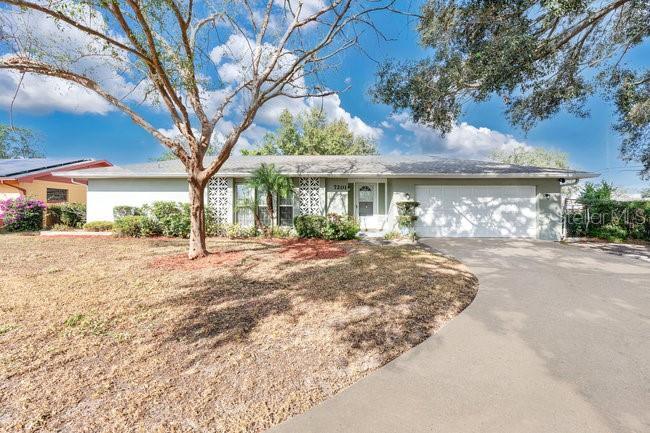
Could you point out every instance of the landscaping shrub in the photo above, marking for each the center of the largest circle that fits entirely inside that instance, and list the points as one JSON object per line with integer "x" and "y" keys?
{"x": 310, "y": 226}
{"x": 150, "y": 227}
{"x": 406, "y": 217}
{"x": 98, "y": 226}
{"x": 21, "y": 214}
{"x": 392, "y": 235}
{"x": 60, "y": 228}
{"x": 52, "y": 215}
{"x": 332, "y": 227}
{"x": 122, "y": 211}
{"x": 609, "y": 232}
{"x": 339, "y": 228}
{"x": 130, "y": 226}
{"x": 283, "y": 232}
{"x": 172, "y": 218}
{"x": 237, "y": 231}
{"x": 605, "y": 218}
{"x": 72, "y": 215}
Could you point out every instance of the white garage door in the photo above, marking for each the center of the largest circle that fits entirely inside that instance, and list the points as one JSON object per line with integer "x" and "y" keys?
{"x": 476, "y": 211}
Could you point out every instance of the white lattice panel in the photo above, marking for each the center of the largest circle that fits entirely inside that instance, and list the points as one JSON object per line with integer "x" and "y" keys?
{"x": 220, "y": 198}
{"x": 309, "y": 196}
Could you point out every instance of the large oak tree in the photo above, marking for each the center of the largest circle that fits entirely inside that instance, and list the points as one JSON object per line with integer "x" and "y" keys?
{"x": 209, "y": 65}
{"x": 539, "y": 56}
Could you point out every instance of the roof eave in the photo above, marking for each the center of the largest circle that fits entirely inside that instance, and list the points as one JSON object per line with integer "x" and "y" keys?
{"x": 568, "y": 176}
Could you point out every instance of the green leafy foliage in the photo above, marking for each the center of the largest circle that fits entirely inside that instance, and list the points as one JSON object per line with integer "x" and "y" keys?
{"x": 605, "y": 218}
{"x": 18, "y": 143}
{"x": 538, "y": 56}
{"x": 172, "y": 218}
{"x": 160, "y": 218}
{"x": 129, "y": 226}
{"x": 98, "y": 226}
{"x": 122, "y": 211}
{"x": 331, "y": 227}
{"x": 60, "y": 228}
{"x": 21, "y": 214}
{"x": 309, "y": 226}
{"x": 406, "y": 217}
{"x": 72, "y": 215}
{"x": 340, "y": 228}
{"x": 270, "y": 181}
{"x": 233, "y": 231}
{"x": 311, "y": 134}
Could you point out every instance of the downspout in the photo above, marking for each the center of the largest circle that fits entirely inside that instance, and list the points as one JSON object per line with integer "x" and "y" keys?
{"x": 563, "y": 205}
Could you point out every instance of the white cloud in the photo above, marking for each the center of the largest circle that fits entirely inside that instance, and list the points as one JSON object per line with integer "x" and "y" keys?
{"x": 65, "y": 46}
{"x": 463, "y": 141}
{"x": 331, "y": 105}
{"x": 309, "y": 7}
{"x": 234, "y": 60}
{"x": 40, "y": 94}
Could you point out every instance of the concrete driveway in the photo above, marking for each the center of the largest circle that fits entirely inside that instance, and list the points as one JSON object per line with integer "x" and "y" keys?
{"x": 557, "y": 340}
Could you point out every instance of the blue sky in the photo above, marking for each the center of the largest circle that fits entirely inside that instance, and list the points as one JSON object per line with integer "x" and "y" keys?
{"x": 591, "y": 143}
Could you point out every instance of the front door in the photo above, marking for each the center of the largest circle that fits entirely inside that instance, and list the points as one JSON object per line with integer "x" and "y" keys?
{"x": 366, "y": 205}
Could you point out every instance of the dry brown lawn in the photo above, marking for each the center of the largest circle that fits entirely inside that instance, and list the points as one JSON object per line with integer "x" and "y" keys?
{"x": 125, "y": 335}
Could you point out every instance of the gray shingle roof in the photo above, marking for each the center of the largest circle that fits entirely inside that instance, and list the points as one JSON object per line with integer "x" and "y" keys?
{"x": 342, "y": 166}
{"x": 20, "y": 167}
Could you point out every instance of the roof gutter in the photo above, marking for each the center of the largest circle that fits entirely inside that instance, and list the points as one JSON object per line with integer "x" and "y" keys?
{"x": 578, "y": 175}
{"x": 22, "y": 190}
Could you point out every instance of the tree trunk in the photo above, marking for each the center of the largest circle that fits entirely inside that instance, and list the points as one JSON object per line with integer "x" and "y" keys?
{"x": 269, "y": 209}
{"x": 197, "y": 246}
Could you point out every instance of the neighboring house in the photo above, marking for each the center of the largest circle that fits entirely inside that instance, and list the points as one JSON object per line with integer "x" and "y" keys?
{"x": 34, "y": 178}
{"x": 459, "y": 198}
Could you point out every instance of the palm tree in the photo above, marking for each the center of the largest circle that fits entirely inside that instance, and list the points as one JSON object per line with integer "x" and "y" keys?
{"x": 268, "y": 179}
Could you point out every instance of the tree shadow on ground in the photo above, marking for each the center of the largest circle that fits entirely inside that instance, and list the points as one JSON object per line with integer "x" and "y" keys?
{"x": 381, "y": 299}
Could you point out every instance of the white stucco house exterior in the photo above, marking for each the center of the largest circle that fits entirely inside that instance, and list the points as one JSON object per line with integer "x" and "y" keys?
{"x": 458, "y": 198}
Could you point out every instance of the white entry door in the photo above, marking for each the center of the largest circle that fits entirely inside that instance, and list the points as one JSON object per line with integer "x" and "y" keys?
{"x": 366, "y": 205}
{"x": 477, "y": 211}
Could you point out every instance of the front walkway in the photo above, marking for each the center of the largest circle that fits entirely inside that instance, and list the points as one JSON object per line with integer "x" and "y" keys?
{"x": 556, "y": 340}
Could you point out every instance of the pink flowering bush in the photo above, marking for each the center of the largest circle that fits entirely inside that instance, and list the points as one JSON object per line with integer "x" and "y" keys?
{"x": 21, "y": 214}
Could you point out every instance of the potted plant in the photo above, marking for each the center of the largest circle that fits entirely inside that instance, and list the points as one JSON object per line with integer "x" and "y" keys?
{"x": 406, "y": 217}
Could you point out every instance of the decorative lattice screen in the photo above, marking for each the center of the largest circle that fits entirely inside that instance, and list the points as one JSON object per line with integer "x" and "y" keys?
{"x": 309, "y": 196}
{"x": 220, "y": 198}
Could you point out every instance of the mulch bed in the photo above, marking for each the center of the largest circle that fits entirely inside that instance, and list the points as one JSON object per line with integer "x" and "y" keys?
{"x": 312, "y": 249}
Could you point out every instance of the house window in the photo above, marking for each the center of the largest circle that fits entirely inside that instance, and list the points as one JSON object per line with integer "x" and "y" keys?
{"x": 55, "y": 195}
{"x": 244, "y": 205}
{"x": 285, "y": 210}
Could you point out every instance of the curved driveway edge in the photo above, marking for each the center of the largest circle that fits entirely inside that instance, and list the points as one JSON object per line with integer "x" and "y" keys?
{"x": 557, "y": 340}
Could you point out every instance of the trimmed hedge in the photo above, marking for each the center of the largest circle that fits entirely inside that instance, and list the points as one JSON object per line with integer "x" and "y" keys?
{"x": 332, "y": 227}
{"x": 161, "y": 218}
{"x": 98, "y": 226}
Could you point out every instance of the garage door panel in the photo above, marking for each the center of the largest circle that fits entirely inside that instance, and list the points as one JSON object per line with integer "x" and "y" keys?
{"x": 478, "y": 211}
